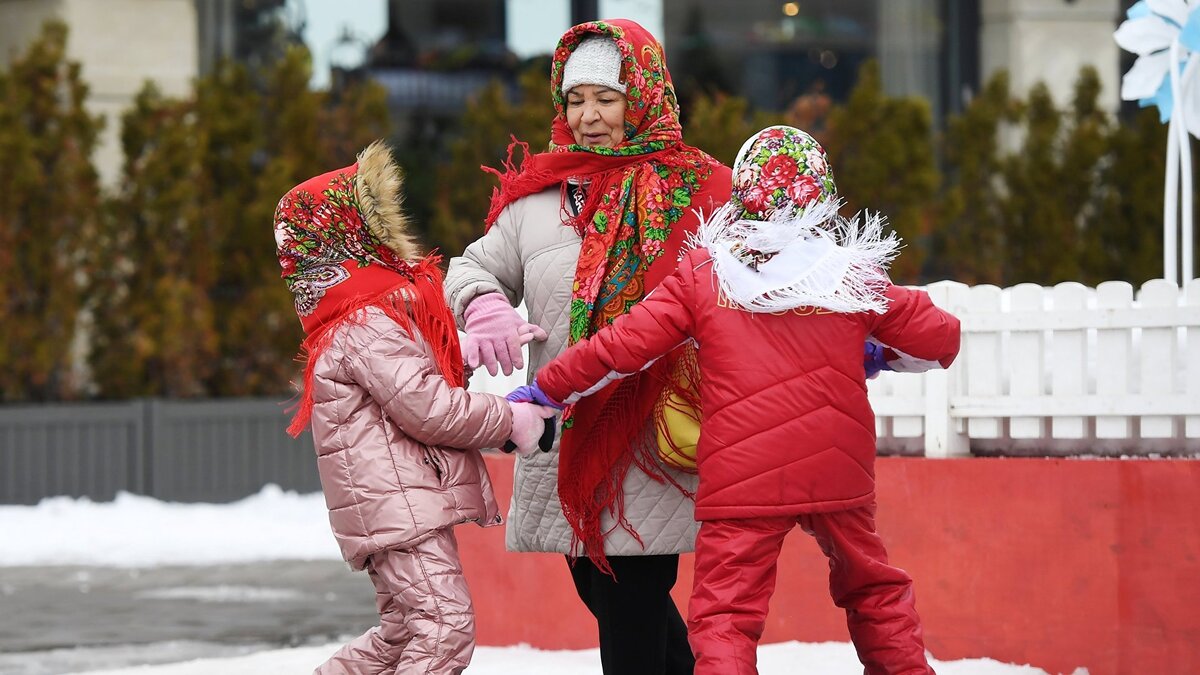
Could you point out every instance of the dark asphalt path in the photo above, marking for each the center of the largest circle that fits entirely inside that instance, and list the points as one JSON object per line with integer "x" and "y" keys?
{"x": 57, "y": 620}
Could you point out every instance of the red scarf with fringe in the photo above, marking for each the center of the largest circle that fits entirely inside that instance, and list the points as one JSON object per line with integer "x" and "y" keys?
{"x": 638, "y": 213}
{"x": 416, "y": 301}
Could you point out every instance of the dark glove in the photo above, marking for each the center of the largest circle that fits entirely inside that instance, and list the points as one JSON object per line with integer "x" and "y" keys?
{"x": 527, "y": 426}
{"x": 874, "y": 359}
{"x": 545, "y": 443}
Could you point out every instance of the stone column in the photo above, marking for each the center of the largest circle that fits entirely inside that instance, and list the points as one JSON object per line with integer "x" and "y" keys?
{"x": 1049, "y": 41}
{"x": 120, "y": 44}
{"x": 908, "y": 47}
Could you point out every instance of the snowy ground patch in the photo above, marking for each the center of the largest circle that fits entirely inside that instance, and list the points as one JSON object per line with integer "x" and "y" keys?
{"x": 140, "y": 532}
{"x": 774, "y": 659}
{"x": 136, "y": 531}
{"x": 222, "y": 593}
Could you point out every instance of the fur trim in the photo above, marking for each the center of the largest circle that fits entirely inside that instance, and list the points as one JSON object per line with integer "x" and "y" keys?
{"x": 818, "y": 259}
{"x": 379, "y": 186}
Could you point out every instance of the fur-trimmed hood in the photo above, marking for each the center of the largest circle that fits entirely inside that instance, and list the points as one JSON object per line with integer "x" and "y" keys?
{"x": 344, "y": 245}
{"x": 379, "y": 184}
{"x": 348, "y": 222}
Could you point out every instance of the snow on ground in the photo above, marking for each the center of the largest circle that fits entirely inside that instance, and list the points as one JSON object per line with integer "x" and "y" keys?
{"x": 136, "y": 531}
{"x": 830, "y": 658}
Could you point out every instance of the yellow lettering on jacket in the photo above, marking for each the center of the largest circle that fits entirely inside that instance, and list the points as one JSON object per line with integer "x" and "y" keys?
{"x": 806, "y": 310}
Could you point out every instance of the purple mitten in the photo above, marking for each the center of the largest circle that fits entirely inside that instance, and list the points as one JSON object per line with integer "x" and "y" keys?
{"x": 874, "y": 359}
{"x": 528, "y": 425}
{"x": 495, "y": 334}
{"x": 532, "y": 393}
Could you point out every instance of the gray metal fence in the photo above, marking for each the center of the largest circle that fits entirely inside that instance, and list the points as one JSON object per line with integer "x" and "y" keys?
{"x": 212, "y": 451}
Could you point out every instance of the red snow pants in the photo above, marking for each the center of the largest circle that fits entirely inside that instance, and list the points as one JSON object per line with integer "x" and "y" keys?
{"x": 736, "y": 564}
{"x": 426, "y": 620}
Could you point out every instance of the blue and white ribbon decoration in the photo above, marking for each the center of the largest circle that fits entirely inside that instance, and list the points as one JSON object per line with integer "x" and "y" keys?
{"x": 1165, "y": 34}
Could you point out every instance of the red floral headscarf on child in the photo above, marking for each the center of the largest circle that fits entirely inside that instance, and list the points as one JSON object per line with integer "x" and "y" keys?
{"x": 779, "y": 244}
{"x": 343, "y": 243}
{"x": 780, "y": 171}
{"x": 639, "y": 211}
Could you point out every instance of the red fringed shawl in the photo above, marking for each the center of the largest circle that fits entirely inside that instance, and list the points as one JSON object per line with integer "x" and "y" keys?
{"x": 417, "y": 303}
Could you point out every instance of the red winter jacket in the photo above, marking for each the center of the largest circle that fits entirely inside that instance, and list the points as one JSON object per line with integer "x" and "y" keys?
{"x": 787, "y": 427}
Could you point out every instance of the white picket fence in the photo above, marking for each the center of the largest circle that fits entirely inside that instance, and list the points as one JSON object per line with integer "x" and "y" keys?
{"x": 1068, "y": 370}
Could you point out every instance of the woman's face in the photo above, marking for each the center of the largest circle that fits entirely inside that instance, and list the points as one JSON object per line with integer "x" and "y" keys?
{"x": 596, "y": 116}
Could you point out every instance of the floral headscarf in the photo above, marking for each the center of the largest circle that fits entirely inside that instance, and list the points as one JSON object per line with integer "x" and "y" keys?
{"x": 343, "y": 245}
{"x": 780, "y": 244}
{"x": 780, "y": 168}
{"x": 639, "y": 212}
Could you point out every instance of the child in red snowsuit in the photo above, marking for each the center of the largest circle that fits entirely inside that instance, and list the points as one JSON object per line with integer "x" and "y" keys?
{"x": 779, "y": 295}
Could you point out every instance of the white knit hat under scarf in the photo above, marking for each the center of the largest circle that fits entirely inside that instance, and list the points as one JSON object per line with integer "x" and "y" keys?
{"x": 595, "y": 61}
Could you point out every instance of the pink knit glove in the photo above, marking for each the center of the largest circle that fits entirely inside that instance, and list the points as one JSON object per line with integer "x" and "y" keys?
{"x": 495, "y": 334}
{"x": 528, "y": 425}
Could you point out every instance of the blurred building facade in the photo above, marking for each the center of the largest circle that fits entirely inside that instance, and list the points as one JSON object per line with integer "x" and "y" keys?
{"x": 1050, "y": 40}
{"x": 771, "y": 51}
{"x": 436, "y": 53}
{"x": 122, "y": 44}
{"x": 117, "y": 53}
{"x": 768, "y": 51}
{"x": 247, "y": 31}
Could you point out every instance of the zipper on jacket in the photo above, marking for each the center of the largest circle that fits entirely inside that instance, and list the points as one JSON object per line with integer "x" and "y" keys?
{"x": 434, "y": 460}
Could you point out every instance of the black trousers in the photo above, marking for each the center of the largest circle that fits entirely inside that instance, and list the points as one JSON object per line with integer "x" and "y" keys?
{"x": 641, "y": 631}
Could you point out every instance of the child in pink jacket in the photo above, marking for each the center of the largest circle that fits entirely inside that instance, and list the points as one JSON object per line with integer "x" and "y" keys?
{"x": 396, "y": 434}
{"x": 779, "y": 295}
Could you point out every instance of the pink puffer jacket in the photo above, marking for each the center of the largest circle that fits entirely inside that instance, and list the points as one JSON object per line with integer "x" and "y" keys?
{"x": 397, "y": 446}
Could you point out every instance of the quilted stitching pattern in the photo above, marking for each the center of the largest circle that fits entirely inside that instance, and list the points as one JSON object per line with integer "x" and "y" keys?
{"x": 530, "y": 255}
{"x": 382, "y": 490}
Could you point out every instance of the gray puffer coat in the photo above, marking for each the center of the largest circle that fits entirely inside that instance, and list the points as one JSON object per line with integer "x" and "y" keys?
{"x": 530, "y": 255}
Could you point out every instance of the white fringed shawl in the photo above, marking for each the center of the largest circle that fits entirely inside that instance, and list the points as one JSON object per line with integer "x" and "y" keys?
{"x": 817, "y": 259}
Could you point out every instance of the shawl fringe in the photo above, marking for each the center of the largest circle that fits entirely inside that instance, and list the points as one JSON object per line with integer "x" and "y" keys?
{"x": 858, "y": 255}
{"x": 517, "y": 178}
{"x": 682, "y": 386}
{"x": 605, "y": 450}
{"x": 417, "y": 305}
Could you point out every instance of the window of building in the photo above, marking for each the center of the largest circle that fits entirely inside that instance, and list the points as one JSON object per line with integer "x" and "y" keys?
{"x": 772, "y": 52}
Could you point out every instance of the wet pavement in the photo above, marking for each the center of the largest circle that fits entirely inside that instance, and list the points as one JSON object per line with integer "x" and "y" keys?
{"x": 56, "y": 620}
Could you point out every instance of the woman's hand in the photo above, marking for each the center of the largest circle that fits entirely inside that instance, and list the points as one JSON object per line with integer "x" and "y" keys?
{"x": 495, "y": 335}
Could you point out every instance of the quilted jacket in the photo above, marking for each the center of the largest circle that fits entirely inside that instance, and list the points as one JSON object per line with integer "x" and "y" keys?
{"x": 397, "y": 446}
{"x": 530, "y": 255}
{"x": 787, "y": 426}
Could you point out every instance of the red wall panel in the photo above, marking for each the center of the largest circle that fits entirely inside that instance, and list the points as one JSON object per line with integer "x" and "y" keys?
{"x": 1059, "y": 563}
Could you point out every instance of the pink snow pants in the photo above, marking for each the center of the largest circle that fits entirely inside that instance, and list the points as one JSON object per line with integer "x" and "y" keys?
{"x": 426, "y": 621}
{"x": 736, "y": 563}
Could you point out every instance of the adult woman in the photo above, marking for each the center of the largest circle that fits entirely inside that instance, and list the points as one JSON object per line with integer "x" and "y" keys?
{"x": 581, "y": 233}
